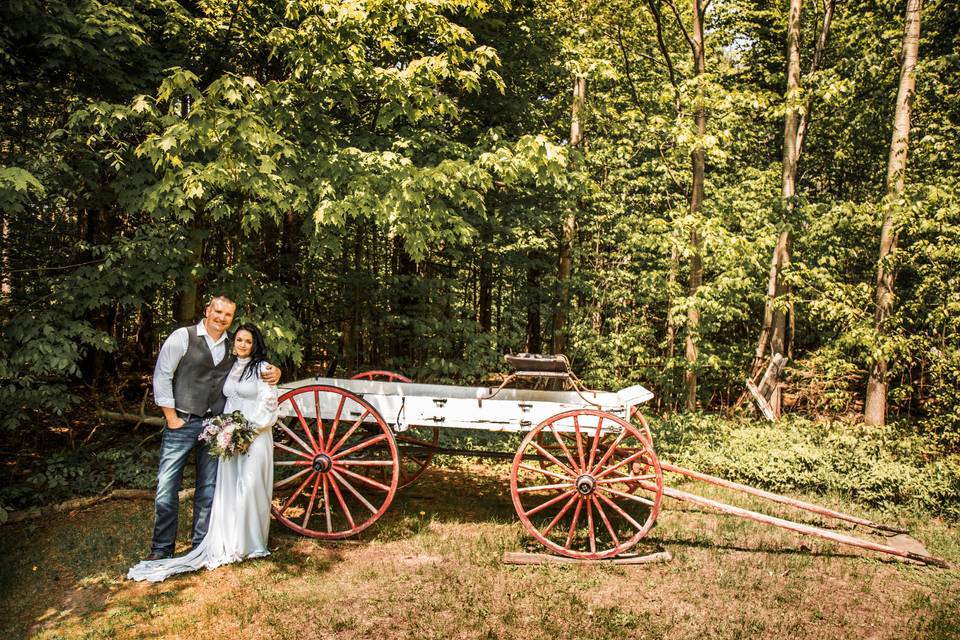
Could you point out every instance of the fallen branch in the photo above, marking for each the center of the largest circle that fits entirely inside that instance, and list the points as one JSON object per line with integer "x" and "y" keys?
{"x": 82, "y": 503}
{"x": 155, "y": 421}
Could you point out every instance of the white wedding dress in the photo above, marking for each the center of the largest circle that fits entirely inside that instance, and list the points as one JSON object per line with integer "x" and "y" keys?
{"x": 240, "y": 515}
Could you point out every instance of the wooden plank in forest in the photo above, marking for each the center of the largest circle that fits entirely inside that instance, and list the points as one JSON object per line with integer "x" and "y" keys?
{"x": 546, "y": 558}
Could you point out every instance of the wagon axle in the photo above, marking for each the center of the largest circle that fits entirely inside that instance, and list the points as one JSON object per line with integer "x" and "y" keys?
{"x": 586, "y": 484}
{"x": 322, "y": 463}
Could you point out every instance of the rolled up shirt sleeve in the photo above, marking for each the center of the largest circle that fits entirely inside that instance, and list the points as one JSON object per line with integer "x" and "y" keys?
{"x": 172, "y": 351}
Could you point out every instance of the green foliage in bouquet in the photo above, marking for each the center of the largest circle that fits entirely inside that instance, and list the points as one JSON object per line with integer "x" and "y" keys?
{"x": 228, "y": 435}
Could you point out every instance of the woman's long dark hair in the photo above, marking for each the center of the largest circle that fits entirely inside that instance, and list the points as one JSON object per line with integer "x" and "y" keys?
{"x": 258, "y": 354}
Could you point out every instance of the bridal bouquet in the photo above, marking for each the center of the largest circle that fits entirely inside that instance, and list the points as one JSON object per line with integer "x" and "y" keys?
{"x": 228, "y": 435}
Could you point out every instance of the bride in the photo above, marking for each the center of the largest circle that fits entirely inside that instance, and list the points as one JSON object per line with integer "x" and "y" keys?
{"x": 240, "y": 515}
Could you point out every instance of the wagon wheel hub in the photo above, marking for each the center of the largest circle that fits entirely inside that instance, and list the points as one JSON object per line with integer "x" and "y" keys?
{"x": 322, "y": 463}
{"x": 586, "y": 484}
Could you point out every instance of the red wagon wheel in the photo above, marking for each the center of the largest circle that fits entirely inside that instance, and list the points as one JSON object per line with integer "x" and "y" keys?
{"x": 336, "y": 469}
{"x": 587, "y": 499}
{"x": 417, "y": 444}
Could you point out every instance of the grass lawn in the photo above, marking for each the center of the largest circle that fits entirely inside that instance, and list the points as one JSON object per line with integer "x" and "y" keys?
{"x": 431, "y": 569}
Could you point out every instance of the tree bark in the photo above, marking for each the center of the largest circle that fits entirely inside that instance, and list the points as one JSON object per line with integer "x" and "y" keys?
{"x": 485, "y": 272}
{"x": 187, "y": 301}
{"x": 698, "y": 161}
{"x": 875, "y": 407}
{"x": 568, "y": 228}
{"x": 534, "y": 331}
{"x": 818, "y": 52}
{"x": 775, "y": 316}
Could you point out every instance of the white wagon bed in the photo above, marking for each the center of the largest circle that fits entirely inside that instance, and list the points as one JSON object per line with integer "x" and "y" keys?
{"x": 403, "y": 405}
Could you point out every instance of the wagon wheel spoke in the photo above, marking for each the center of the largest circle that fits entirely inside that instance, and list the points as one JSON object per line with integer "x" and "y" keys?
{"x": 620, "y": 463}
{"x": 626, "y": 516}
{"x": 353, "y": 427}
{"x": 356, "y": 494}
{"x": 351, "y": 475}
{"x": 552, "y": 501}
{"x": 566, "y": 451}
{"x": 280, "y": 445}
{"x": 576, "y": 430}
{"x": 287, "y": 481}
{"x": 362, "y": 478}
{"x": 545, "y": 472}
{"x": 293, "y": 436}
{"x": 336, "y": 419}
{"x": 552, "y": 459}
{"x": 316, "y": 404}
{"x": 545, "y": 487}
{"x": 313, "y": 498}
{"x": 573, "y": 498}
{"x": 303, "y": 423}
{"x": 609, "y": 452}
{"x": 590, "y": 533}
{"x": 573, "y": 524}
{"x": 361, "y": 446}
{"x": 606, "y": 520}
{"x": 627, "y": 479}
{"x": 596, "y": 441}
{"x": 628, "y": 496}
{"x": 296, "y": 493}
{"x": 364, "y": 463}
{"x": 326, "y": 504}
{"x": 343, "y": 505}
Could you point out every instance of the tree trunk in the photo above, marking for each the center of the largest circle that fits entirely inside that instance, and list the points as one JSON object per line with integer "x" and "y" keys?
{"x": 485, "y": 272}
{"x": 99, "y": 228}
{"x": 145, "y": 337}
{"x": 875, "y": 407}
{"x": 698, "y": 162}
{"x": 404, "y": 302}
{"x": 187, "y": 302}
{"x": 568, "y": 228}
{"x": 818, "y": 52}
{"x": 775, "y": 316}
{"x": 5, "y": 279}
{"x": 534, "y": 331}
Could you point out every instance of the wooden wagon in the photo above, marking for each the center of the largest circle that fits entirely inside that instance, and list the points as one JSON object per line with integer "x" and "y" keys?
{"x": 585, "y": 479}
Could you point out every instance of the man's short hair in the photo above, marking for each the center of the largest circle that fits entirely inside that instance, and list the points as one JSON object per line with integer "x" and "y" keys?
{"x": 221, "y": 298}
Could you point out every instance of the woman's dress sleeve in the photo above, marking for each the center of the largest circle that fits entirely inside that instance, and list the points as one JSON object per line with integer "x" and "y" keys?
{"x": 264, "y": 413}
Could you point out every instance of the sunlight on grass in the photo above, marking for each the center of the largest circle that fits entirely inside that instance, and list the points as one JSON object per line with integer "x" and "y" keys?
{"x": 432, "y": 568}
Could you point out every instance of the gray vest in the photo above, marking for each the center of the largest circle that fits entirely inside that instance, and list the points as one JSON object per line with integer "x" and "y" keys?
{"x": 197, "y": 382}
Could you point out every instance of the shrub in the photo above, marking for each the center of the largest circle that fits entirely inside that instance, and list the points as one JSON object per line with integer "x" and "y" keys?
{"x": 875, "y": 466}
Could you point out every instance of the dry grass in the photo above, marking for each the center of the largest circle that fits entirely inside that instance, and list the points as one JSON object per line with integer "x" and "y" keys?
{"x": 431, "y": 569}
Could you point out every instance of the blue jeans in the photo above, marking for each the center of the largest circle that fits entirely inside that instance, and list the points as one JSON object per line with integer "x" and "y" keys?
{"x": 174, "y": 451}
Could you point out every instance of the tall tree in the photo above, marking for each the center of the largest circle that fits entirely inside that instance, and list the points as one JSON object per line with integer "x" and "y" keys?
{"x": 775, "y": 311}
{"x": 777, "y": 316}
{"x": 569, "y": 225}
{"x": 875, "y": 407}
{"x": 698, "y": 162}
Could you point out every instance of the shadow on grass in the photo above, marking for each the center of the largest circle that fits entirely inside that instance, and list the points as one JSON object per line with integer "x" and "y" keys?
{"x": 74, "y": 565}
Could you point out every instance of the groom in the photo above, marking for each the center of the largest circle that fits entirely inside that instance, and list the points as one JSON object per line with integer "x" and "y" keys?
{"x": 188, "y": 387}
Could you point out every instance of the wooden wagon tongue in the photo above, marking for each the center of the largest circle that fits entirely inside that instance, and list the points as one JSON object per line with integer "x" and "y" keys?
{"x": 915, "y": 552}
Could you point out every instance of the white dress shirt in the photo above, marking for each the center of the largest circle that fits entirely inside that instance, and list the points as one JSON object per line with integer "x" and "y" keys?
{"x": 172, "y": 351}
